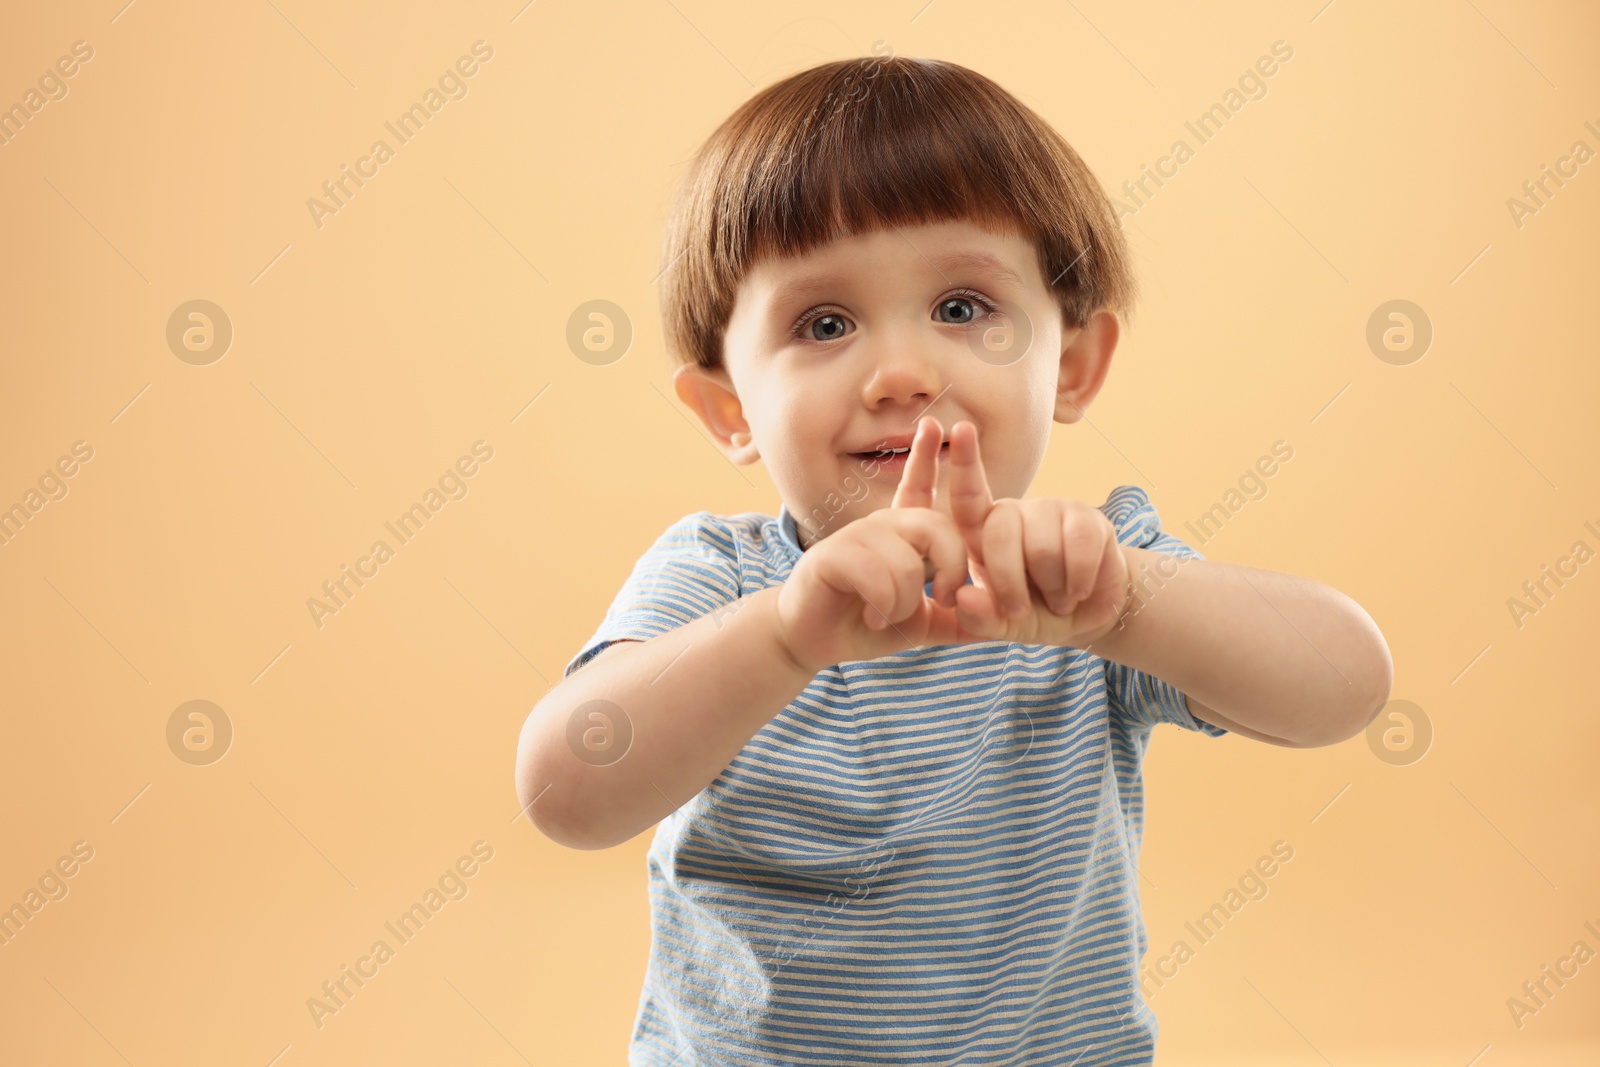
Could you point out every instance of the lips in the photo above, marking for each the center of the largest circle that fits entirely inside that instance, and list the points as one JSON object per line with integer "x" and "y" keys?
{"x": 889, "y": 451}
{"x": 889, "y": 444}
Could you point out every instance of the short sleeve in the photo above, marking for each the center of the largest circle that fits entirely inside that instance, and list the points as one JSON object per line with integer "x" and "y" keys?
{"x": 1140, "y": 697}
{"x": 691, "y": 570}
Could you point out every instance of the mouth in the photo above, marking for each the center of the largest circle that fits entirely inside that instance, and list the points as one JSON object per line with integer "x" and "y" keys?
{"x": 896, "y": 459}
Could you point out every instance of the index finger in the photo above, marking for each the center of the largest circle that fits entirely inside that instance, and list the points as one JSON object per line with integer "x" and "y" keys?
{"x": 944, "y": 558}
{"x": 922, "y": 467}
{"x": 970, "y": 499}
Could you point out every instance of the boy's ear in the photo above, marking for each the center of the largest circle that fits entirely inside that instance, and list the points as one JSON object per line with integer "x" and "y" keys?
{"x": 1085, "y": 359}
{"x": 710, "y": 393}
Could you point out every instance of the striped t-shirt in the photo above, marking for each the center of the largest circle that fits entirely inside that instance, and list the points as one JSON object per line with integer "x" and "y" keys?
{"x": 924, "y": 858}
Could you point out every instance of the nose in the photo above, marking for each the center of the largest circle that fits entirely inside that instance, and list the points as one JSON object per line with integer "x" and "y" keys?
{"x": 902, "y": 372}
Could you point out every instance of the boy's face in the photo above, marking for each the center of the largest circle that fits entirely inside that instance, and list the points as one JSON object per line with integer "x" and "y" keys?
{"x": 891, "y": 332}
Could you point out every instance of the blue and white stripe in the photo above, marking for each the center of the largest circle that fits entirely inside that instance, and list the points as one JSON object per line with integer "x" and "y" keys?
{"x": 924, "y": 858}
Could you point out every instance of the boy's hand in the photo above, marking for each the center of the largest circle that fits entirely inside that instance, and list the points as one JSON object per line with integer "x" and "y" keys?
{"x": 1054, "y": 563}
{"x": 860, "y": 593}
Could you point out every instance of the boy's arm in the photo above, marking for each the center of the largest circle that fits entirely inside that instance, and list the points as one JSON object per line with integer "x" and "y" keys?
{"x": 1271, "y": 656}
{"x": 693, "y": 696}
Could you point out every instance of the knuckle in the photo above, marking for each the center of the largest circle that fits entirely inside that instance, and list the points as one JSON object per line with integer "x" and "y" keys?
{"x": 907, "y": 571}
{"x": 880, "y": 596}
{"x": 1049, "y": 578}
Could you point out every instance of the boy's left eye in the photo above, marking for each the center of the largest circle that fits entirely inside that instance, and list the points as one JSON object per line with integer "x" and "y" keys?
{"x": 956, "y": 304}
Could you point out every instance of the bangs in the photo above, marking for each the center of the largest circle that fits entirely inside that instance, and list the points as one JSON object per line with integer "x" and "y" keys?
{"x": 859, "y": 145}
{"x": 902, "y": 155}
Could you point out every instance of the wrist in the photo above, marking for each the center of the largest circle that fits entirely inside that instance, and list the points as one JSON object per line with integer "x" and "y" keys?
{"x": 1126, "y": 609}
{"x": 784, "y": 653}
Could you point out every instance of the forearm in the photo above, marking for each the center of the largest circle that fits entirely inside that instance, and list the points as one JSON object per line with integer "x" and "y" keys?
{"x": 1285, "y": 657}
{"x": 693, "y": 697}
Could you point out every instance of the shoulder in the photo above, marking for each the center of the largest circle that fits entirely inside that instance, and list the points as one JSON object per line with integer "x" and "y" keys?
{"x": 699, "y": 528}
{"x": 744, "y": 528}
{"x": 729, "y": 544}
{"x": 1134, "y": 516}
{"x": 1138, "y": 526}
{"x": 729, "y": 534}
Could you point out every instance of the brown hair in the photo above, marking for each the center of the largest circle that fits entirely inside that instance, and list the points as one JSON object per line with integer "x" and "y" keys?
{"x": 858, "y": 145}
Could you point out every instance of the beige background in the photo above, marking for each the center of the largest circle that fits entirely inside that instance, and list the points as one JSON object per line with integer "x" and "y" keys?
{"x": 370, "y": 753}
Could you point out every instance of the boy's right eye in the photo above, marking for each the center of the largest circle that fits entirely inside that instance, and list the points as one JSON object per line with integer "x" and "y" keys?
{"x": 829, "y": 318}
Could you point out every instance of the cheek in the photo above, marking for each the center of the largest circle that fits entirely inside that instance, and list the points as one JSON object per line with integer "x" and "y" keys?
{"x": 806, "y": 406}
{"x": 1019, "y": 411}
{"x": 773, "y": 425}
{"x": 800, "y": 429}
{"x": 1043, "y": 377}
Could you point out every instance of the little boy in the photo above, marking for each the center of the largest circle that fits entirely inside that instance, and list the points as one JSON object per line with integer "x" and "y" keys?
{"x": 892, "y": 736}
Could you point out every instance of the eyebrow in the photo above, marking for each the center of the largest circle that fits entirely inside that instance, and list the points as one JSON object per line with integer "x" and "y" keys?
{"x": 976, "y": 262}
{"x": 980, "y": 262}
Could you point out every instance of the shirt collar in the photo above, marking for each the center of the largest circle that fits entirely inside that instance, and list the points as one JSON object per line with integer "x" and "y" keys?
{"x": 789, "y": 530}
